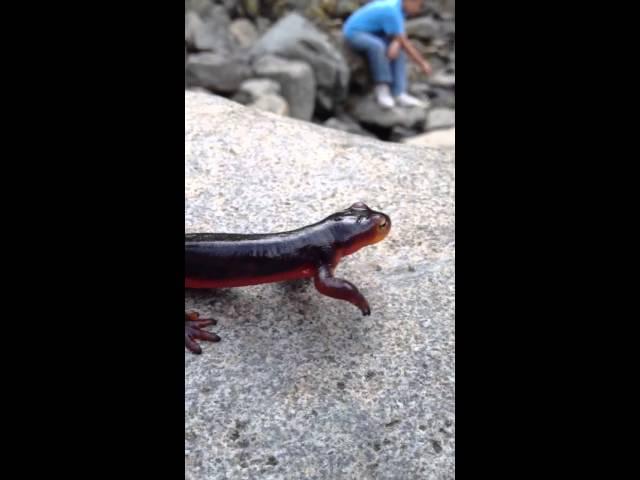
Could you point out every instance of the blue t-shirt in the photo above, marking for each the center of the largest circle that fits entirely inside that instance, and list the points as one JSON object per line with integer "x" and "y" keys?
{"x": 378, "y": 17}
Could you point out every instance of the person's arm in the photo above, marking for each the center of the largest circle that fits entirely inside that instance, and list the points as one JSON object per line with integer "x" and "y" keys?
{"x": 402, "y": 41}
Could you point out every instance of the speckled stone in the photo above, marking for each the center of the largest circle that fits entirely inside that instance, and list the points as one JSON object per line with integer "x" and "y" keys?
{"x": 302, "y": 386}
{"x": 444, "y": 140}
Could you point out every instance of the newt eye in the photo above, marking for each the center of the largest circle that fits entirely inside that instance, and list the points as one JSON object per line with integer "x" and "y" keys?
{"x": 382, "y": 224}
{"x": 359, "y": 206}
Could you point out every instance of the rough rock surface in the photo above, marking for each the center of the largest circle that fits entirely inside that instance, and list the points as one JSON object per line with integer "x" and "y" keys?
{"x": 243, "y": 32}
{"x": 254, "y": 88}
{"x": 444, "y": 78}
{"x": 367, "y": 111}
{"x": 422, "y": 27}
{"x": 442, "y": 97}
{"x": 444, "y": 140}
{"x": 296, "y": 38}
{"x": 301, "y": 385}
{"x": 199, "y": 6}
{"x": 441, "y": 118}
{"x": 271, "y": 102}
{"x": 296, "y": 80}
{"x": 210, "y": 34}
{"x": 346, "y": 124}
{"x": 217, "y": 72}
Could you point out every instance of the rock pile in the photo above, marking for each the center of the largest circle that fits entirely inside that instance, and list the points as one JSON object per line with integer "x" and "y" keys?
{"x": 288, "y": 57}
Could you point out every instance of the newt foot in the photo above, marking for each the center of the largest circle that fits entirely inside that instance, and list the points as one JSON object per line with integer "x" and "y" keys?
{"x": 193, "y": 329}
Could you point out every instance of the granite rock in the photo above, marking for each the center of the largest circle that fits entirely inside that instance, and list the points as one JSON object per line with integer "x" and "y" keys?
{"x": 301, "y": 385}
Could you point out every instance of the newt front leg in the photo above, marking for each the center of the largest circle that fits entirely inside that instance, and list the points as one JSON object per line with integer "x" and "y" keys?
{"x": 341, "y": 289}
{"x": 193, "y": 329}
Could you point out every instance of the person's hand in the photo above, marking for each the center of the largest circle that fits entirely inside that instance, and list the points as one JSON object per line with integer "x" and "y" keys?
{"x": 394, "y": 50}
{"x": 426, "y": 68}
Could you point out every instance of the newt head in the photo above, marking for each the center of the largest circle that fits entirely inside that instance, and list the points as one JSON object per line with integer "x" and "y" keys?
{"x": 357, "y": 227}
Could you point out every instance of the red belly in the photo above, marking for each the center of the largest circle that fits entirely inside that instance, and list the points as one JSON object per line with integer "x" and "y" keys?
{"x": 247, "y": 281}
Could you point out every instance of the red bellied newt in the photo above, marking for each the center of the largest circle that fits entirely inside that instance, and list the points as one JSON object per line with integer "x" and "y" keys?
{"x": 221, "y": 260}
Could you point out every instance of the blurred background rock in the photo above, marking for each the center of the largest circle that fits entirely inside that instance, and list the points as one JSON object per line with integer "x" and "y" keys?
{"x": 288, "y": 57}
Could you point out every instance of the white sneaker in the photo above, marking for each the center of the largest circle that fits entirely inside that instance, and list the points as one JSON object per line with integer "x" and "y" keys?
{"x": 383, "y": 95}
{"x": 406, "y": 100}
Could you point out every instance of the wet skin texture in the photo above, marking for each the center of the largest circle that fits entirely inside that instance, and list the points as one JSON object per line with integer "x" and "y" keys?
{"x": 221, "y": 260}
